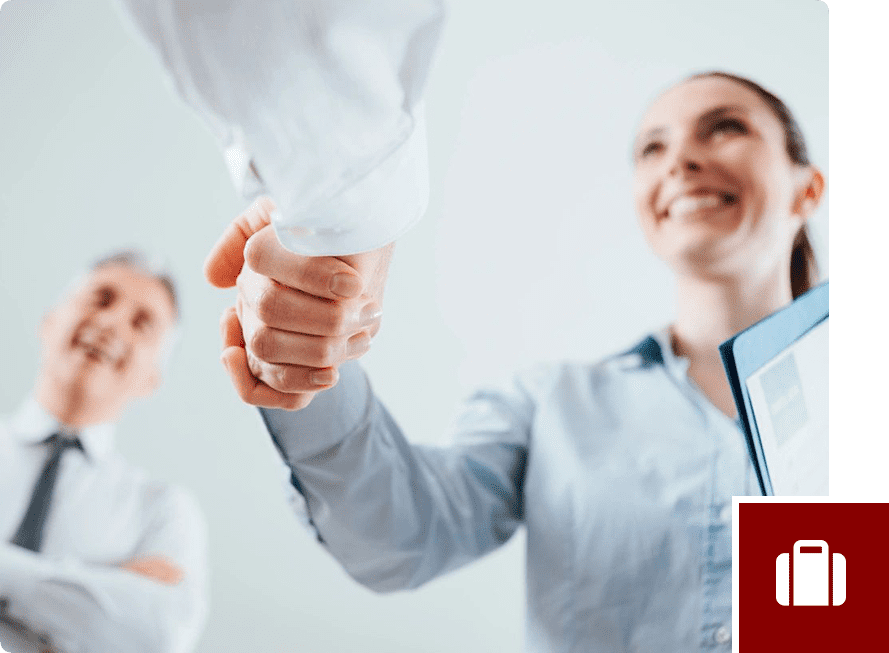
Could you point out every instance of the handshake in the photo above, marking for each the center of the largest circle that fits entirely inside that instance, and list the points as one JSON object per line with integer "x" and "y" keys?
{"x": 296, "y": 318}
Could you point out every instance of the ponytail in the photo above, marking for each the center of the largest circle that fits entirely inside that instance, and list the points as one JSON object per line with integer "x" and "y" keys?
{"x": 803, "y": 265}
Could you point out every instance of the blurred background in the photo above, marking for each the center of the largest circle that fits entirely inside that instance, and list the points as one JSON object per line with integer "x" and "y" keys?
{"x": 530, "y": 251}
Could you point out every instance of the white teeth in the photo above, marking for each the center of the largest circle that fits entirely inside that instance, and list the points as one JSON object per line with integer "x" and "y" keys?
{"x": 687, "y": 204}
{"x": 98, "y": 347}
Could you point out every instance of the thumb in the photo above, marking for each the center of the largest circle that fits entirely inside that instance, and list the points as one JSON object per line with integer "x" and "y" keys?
{"x": 224, "y": 263}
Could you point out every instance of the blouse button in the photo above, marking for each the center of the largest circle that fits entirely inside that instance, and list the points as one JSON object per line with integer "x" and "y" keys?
{"x": 722, "y": 635}
{"x": 725, "y": 514}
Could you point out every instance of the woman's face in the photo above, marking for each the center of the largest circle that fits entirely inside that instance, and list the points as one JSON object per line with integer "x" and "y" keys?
{"x": 716, "y": 192}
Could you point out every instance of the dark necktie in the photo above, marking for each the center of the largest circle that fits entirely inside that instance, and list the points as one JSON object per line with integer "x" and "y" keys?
{"x": 30, "y": 532}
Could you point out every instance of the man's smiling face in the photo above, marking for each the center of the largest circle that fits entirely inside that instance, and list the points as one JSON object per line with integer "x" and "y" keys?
{"x": 103, "y": 343}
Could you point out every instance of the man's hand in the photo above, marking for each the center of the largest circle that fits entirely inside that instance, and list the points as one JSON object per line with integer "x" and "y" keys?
{"x": 156, "y": 568}
{"x": 296, "y": 318}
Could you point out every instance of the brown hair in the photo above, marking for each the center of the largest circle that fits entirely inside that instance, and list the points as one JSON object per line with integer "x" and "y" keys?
{"x": 803, "y": 264}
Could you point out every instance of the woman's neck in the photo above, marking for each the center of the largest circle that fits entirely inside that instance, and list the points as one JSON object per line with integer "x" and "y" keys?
{"x": 709, "y": 313}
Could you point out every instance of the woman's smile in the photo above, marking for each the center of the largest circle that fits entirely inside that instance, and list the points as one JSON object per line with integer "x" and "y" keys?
{"x": 697, "y": 204}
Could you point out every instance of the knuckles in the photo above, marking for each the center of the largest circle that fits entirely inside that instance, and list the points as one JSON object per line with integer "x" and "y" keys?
{"x": 326, "y": 352}
{"x": 282, "y": 378}
{"x": 319, "y": 351}
{"x": 337, "y": 319}
{"x": 274, "y": 307}
{"x": 261, "y": 343}
{"x": 269, "y": 305}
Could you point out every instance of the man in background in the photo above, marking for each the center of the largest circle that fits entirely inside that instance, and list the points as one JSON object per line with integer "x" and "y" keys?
{"x": 95, "y": 556}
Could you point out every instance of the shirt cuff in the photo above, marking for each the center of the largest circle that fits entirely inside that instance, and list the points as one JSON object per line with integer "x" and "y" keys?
{"x": 373, "y": 211}
{"x": 16, "y": 564}
{"x": 333, "y": 415}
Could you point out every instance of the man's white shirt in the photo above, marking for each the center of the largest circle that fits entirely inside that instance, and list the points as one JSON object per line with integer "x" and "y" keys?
{"x": 316, "y": 104}
{"x": 104, "y": 513}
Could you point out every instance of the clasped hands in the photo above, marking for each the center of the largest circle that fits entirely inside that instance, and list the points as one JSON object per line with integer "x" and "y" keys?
{"x": 296, "y": 318}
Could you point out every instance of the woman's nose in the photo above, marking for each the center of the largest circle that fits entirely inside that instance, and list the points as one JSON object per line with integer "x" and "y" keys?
{"x": 685, "y": 158}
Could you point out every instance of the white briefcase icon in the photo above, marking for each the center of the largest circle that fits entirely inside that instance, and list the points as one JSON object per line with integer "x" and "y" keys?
{"x": 811, "y": 575}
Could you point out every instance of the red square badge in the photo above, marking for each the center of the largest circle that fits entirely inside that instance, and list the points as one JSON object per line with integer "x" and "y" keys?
{"x": 810, "y": 575}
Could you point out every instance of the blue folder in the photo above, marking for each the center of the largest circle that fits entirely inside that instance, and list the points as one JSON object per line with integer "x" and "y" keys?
{"x": 748, "y": 351}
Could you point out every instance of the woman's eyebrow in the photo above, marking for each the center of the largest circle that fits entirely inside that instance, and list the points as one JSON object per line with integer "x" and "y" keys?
{"x": 645, "y": 137}
{"x": 650, "y": 134}
{"x": 717, "y": 112}
{"x": 706, "y": 118}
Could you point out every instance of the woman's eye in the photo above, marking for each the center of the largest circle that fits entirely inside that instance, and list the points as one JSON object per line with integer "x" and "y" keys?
{"x": 651, "y": 148}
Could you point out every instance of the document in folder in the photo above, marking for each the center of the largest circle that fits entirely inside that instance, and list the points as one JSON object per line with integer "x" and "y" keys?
{"x": 778, "y": 370}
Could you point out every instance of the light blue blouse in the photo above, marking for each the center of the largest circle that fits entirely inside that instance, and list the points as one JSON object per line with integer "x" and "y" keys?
{"x": 622, "y": 472}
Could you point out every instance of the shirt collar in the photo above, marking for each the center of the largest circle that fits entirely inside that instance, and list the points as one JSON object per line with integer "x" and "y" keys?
{"x": 33, "y": 424}
{"x": 656, "y": 349}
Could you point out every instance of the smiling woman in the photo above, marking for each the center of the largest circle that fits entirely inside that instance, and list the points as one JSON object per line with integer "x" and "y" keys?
{"x": 622, "y": 471}
{"x": 724, "y": 189}
{"x": 753, "y": 129}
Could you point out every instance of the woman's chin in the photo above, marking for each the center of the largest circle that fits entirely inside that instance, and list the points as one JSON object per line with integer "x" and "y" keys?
{"x": 705, "y": 255}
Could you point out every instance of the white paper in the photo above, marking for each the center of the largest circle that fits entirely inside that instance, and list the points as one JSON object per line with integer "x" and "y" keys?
{"x": 789, "y": 395}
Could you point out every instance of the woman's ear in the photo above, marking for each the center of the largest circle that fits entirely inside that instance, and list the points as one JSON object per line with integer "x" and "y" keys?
{"x": 810, "y": 194}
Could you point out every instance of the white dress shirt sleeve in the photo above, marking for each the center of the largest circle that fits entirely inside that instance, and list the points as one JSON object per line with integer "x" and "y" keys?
{"x": 316, "y": 103}
{"x": 88, "y": 608}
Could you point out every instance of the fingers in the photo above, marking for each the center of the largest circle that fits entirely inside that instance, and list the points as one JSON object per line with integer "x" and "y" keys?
{"x": 373, "y": 266}
{"x": 166, "y": 572}
{"x": 226, "y": 259}
{"x": 292, "y": 379}
{"x": 251, "y": 389}
{"x": 250, "y": 237}
{"x": 277, "y": 346}
{"x": 322, "y": 276}
{"x": 156, "y": 568}
{"x": 284, "y": 308}
{"x": 297, "y": 318}
{"x": 230, "y": 327}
